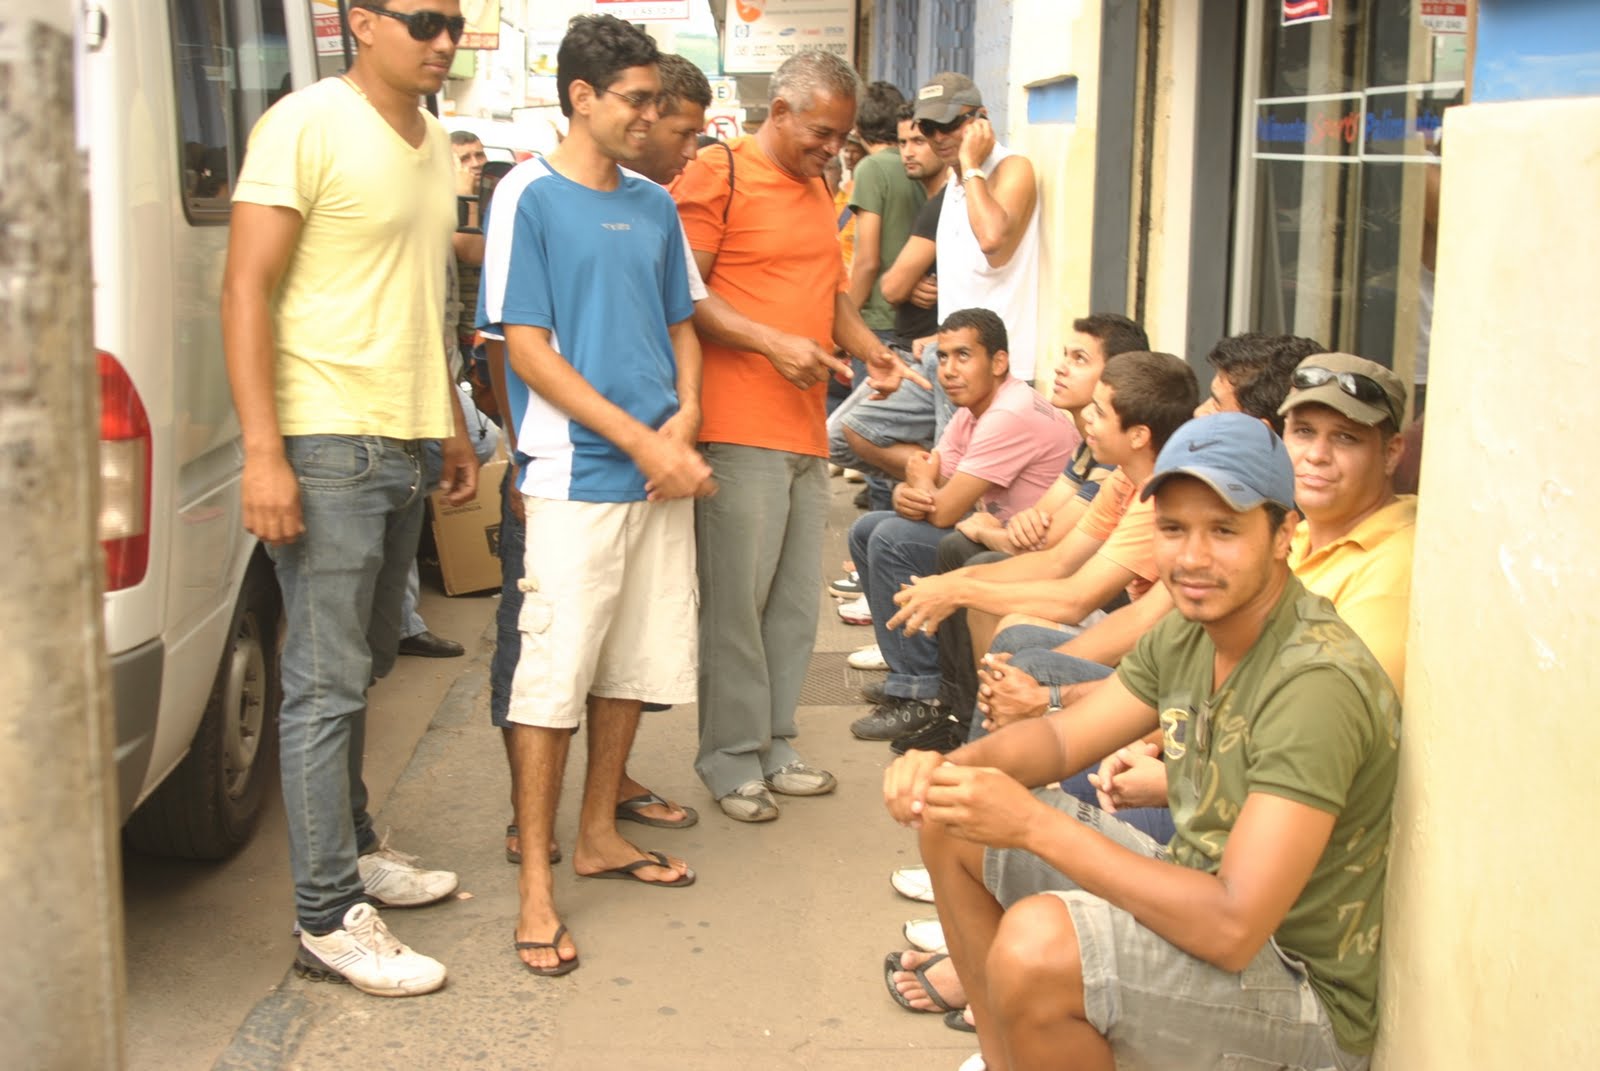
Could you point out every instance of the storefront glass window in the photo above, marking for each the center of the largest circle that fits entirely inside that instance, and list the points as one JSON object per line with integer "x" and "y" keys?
{"x": 1341, "y": 139}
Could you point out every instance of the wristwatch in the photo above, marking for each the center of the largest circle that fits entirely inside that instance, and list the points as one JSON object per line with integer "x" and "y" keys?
{"x": 1055, "y": 699}
{"x": 974, "y": 172}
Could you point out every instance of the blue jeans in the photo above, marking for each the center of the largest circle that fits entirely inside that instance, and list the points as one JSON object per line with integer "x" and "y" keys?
{"x": 343, "y": 580}
{"x": 888, "y": 551}
{"x": 507, "y": 639}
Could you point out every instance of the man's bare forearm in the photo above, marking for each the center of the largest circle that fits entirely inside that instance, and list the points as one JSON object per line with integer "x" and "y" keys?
{"x": 251, "y": 357}
{"x": 686, "y": 351}
{"x": 717, "y": 319}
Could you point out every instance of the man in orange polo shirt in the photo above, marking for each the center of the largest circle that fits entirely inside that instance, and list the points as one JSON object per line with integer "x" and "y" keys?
{"x": 761, "y": 224}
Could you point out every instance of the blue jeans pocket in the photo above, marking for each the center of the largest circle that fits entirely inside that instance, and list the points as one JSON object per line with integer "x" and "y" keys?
{"x": 331, "y": 461}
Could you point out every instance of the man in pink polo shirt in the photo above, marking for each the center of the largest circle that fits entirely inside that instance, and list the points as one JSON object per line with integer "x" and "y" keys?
{"x": 1001, "y": 452}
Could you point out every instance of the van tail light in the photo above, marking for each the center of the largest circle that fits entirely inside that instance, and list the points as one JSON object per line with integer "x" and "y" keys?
{"x": 124, "y": 477}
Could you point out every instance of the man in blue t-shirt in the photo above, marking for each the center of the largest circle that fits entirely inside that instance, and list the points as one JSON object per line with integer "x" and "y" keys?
{"x": 586, "y": 275}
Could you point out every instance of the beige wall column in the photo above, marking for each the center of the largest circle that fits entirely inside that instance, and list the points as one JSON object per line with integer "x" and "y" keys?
{"x": 1050, "y": 39}
{"x": 1492, "y": 925}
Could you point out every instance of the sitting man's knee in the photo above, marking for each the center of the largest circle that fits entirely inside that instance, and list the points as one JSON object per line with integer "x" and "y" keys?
{"x": 1034, "y": 957}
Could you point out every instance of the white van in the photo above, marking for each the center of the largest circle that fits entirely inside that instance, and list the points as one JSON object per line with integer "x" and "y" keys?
{"x": 168, "y": 94}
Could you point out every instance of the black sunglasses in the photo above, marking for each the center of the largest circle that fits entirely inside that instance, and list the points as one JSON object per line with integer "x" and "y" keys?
{"x": 425, "y": 25}
{"x": 932, "y": 129}
{"x": 1361, "y": 388}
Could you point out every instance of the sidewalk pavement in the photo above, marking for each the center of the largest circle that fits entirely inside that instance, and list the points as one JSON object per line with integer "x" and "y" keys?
{"x": 771, "y": 960}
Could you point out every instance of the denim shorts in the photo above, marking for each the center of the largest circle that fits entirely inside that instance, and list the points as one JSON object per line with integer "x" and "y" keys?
{"x": 912, "y": 414}
{"x": 1158, "y": 1006}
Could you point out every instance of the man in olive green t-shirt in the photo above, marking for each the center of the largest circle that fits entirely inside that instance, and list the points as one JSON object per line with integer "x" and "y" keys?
{"x": 1255, "y": 932}
{"x": 886, "y": 202}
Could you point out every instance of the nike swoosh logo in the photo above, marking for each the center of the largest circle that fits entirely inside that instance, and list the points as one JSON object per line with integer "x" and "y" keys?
{"x": 1202, "y": 446}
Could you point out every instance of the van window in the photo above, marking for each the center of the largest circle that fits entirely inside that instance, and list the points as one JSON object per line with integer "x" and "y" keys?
{"x": 231, "y": 62}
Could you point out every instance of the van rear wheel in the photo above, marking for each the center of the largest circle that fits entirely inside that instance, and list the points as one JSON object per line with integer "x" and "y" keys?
{"x": 209, "y": 805}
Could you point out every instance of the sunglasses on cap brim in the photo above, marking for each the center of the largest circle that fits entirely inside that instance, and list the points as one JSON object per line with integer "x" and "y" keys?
{"x": 931, "y": 129}
{"x": 424, "y": 25}
{"x": 1361, "y": 388}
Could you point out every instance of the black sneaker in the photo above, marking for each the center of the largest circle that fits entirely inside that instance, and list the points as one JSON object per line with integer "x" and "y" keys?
{"x": 895, "y": 717}
{"x": 942, "y": 736}
{"x": 873, "y": 692}
{"x": 863, "y": 499}
{"x": 847, "y": 586}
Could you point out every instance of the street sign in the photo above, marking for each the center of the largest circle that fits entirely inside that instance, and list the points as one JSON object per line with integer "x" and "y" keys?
{"x": 725, "y": 124}
{"x": 724, "y": 93}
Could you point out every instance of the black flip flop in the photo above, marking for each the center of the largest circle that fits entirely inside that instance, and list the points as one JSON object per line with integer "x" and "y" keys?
{"x": 891, "y": 966}
{"x": 628, "y": 811}
{"x": 630, "y": 873}
{"x": 957, "y": 1020}
{"x": 514, "y": 857}
{"x": 563, "y": 966}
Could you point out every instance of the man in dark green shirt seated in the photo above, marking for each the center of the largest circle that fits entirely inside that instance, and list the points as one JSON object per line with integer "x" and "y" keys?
{"x": 1254, "y": 932}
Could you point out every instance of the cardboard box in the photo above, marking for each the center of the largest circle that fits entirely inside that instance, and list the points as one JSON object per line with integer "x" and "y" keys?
{"x": 468, "y": 536}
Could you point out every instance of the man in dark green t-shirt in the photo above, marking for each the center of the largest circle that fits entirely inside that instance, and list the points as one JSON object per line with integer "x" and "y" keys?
{"x": 885, "y": 201}
{"x": 1254, "y": 934}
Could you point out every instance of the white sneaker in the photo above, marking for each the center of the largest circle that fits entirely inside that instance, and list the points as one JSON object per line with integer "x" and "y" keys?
{"x": 913, "y": 883}
{"x": 393, "y": 879}
{"x": 925, "y": 935}
{"x": 869, "y": 657}
{"x": 854, "y": 476}
{"x": 365, "y": 954}
{"x": 856, "y": 612}
{"x": 973, "y": 1063}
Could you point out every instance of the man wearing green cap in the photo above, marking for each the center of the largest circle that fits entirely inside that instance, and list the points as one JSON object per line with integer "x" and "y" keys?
{"x": 1342, "y": 428}
{"x": 1254, "y": 932}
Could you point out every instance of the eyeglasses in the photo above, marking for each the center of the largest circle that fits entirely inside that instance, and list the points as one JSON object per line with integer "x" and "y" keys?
{"x": 424, "y": 25}
{"x": 1361, "y": 388}
{"x": 637, "y": 101}
{"x": 931, "y": 129}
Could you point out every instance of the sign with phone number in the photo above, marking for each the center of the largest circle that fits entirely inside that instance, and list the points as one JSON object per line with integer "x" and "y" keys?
{"x": 761, "y": 34}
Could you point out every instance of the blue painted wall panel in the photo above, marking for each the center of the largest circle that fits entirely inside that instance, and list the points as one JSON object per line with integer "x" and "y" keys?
{"x": 1531, "y": 49}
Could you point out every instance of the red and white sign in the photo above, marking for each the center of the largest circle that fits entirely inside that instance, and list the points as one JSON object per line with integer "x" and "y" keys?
{"x": 725, "y": 123}
{"x": 1444, "y": 16}
{"x": 644, "y": 10}
{"x": 325, "y": 28}
{"x": 1298, "y": 11}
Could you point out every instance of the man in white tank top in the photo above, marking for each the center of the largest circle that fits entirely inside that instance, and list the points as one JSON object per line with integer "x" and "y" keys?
{"x": 988, "y": 238}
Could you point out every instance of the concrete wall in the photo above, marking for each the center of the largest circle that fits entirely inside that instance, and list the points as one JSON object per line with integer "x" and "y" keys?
{"x": 1050, "y": 39}
{"x": 1166, "y": 307}
{"x": 1492, "y": 927}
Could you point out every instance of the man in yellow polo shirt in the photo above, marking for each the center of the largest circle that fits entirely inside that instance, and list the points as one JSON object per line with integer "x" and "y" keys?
{"x": 1355, "y": 542}
{"x": 333, "y": 325}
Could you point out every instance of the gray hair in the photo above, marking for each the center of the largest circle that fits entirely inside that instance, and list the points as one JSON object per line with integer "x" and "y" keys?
{"x": 804, "y": 73}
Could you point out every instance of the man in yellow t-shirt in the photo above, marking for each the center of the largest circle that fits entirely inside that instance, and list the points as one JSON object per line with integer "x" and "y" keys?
{"x": 333, "y": 325}
{"x": 1355, "y": 542}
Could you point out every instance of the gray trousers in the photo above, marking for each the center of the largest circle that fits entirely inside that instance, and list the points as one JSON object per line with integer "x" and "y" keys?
{"x": 760, "y": 552}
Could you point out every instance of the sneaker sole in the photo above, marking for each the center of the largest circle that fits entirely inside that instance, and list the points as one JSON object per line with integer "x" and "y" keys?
{"x": 312, "y": 969}
{"x": 820, "y": 790}
{"x": 754, "y": 818}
